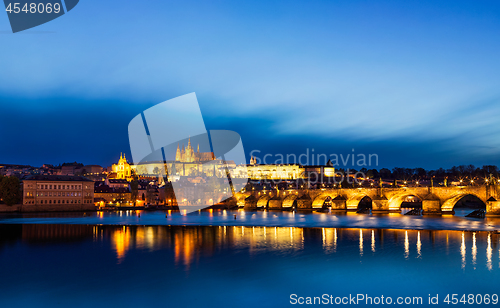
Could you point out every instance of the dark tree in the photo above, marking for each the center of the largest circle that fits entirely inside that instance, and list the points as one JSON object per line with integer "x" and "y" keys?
{"x": 1, "y": 192}
{"x": 10, "y": 190}
{"x": 134, "y": 190}
{"x": 156, "y": 170}
{"x": 385, "y": 173}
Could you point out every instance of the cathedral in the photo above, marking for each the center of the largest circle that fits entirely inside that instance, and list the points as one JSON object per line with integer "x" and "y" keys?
{"x": 123, "y": 169}
{"x": 188, "y": 155}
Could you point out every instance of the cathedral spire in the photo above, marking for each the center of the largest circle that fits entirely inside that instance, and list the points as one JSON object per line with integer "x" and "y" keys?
{"x": 198, "y": 148}
{"x": 178, "y": 153}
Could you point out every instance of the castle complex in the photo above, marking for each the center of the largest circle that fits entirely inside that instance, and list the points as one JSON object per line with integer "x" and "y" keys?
{"x": 188, "y": 155}
{"x": 187, "y": 162}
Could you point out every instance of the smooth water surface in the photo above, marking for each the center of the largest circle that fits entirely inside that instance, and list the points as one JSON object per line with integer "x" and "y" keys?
{"x": 262, "y": 218}
{"x": 70, "y": 265}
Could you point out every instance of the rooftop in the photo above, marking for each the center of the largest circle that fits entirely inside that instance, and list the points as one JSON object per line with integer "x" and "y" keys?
{"x": 57, "y": 178}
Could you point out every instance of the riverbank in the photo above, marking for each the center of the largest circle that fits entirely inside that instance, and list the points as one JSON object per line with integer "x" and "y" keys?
{"x": 35, "y": 208}
{"x": 267, "y": 218}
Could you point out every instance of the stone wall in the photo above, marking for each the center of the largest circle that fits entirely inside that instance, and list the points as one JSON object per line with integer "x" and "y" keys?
{"x": 435, "y": 200}
{"x": 46, "y": 208}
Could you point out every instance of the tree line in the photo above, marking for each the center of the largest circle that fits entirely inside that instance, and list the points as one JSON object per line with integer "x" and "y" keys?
{"x": 10, "y": 190}
{"x": 455, "y": 172}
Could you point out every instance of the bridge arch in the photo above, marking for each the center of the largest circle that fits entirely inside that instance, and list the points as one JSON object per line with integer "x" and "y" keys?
{"x": 263, "y": 201}
{"x": 320, "y": 200}
{"x": 290, "y": 200}
{"x": 353, "y": 202}
{"x": 449, "y": 204}
{"x": 395, "y": 201}
{"x": 365, "y": 203}
{"x": 240, "y": 199}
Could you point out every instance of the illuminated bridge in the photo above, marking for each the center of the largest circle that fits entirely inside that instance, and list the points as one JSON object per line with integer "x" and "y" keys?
{"x": 435, "y": 200}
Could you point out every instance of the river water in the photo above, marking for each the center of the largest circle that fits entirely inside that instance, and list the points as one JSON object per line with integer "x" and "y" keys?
{"x": 209, "y": 259}
{"x": 262, "y": 218}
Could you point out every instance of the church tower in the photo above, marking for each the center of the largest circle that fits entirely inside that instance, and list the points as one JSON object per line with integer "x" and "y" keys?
{"x": 253, "y": 161}
{"x": 189, "y": 152}
{"x": 122, "y": 169}
{"x": 178, "y": 156}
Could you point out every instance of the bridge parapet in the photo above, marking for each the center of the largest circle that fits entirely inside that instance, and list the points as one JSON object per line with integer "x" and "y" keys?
{"x": 435, "y": 200}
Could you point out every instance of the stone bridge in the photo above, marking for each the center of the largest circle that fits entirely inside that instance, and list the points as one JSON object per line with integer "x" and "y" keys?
{"x": 435, "y": 200}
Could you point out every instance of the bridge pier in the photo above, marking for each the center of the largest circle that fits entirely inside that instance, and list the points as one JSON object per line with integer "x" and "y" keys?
{"x": 352, "y": 205}
{"x": 380, "y": 205}
{"x": 339, "y": 204}
{"x": 492, "y": 207}
{"x": 251, "y": 202}
{"x": 431, "y": 205}
{"x": 275, "y": 203}
{"x": 304, "y": 202}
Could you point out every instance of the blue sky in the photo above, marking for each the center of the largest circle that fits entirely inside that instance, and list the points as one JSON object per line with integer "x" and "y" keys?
{"x": 416, "y": 82}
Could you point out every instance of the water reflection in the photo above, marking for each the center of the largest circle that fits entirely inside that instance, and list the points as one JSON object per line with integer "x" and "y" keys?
{"x": 373, "y": 241}
{"x": 361, "y": 242}
{"x": 463, "y": 251}
{"x": 329, "y": 239}
{"x": 474, "y": 249}
{"x": 407, "y": 246}
{"x": 419, "y": 246}
{"x": 190, "y": 244}
{"x": 489, "y": 253}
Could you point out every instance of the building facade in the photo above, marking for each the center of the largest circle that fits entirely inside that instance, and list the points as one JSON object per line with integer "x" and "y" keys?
{"x": 123, "y": 169}
{"x": 282, "y": 171}
{"x": 58, "y": 192}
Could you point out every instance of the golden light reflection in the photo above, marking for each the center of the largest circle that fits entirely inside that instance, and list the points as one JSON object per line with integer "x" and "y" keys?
{"x": 407, "y": 246}
{"x": 394, "y": 214}
{"x": 489, "y": 254}
{"x": 335, "y": 240}
{"x": 189, "y": 243}
{"x": 419, "y": 246}
{"x": 373, "y": 241}
{"x": 323, "y": 236}
{"x": 120, "y": 241}
{"x": 474, "y": 250}
{"x": 463, "y": 251}
{"x": 184, "y": 247}
{"x": 329, "y": 239}
{"x": 261, "y": 239}
{"x": 360, "y": 242}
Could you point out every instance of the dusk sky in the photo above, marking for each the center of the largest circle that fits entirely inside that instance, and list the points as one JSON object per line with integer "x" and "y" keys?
{"x": 416, "y": 82}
